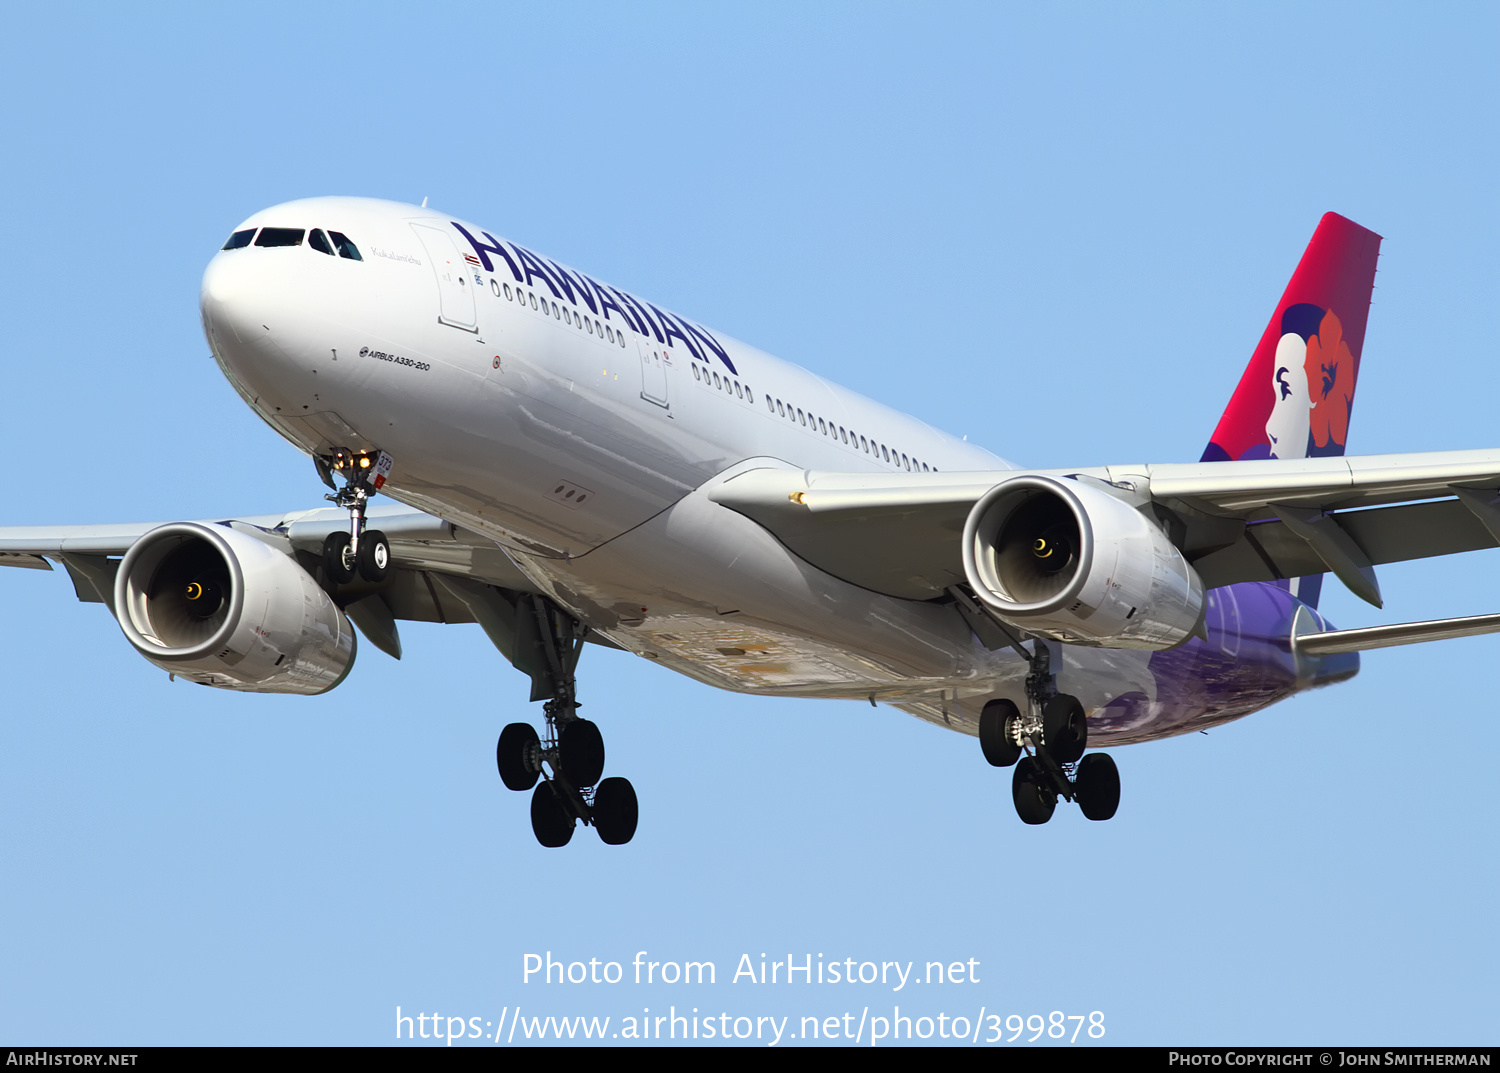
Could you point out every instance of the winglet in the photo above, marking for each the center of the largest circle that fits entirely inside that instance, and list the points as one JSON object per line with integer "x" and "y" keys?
{"x": 1295, "y": 396}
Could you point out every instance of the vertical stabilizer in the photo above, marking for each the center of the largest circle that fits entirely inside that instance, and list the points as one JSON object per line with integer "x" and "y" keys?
{"x": 1296, "y": 395}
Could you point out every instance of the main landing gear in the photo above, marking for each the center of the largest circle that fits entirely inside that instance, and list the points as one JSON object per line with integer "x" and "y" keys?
{"x": 1052, "y": 735}
{"x": 539, "y": 638}
{"x": 569, "y": 761}
{"x": 361, "y": 551}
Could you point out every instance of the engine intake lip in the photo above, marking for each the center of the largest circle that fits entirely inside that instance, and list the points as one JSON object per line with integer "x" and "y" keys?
{"x": 138, "y": 570}
{"x": 988, "y": 519}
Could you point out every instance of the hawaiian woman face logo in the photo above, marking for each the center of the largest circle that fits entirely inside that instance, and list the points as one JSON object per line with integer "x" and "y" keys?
{"x": 1312, "y": 380}
{"x": 1287, "y": 427}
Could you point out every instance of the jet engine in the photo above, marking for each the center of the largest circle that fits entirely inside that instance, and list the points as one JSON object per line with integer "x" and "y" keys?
{"x": 220, "y": 608}
{"x": 1068, "y": 561}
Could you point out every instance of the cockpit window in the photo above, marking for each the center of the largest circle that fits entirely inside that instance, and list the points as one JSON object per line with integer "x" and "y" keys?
{"x": 280, "y": 236}
{"x": 345, "y": 247}
{"x": 239, "y": 240}
{"x": 318, "y": 241}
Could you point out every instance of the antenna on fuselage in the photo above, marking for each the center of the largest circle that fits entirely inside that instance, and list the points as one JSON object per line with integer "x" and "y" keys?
{"x": 424, "y": 202}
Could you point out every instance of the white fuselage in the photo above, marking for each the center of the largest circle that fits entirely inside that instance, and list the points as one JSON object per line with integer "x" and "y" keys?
{"x": 579, "y": 428}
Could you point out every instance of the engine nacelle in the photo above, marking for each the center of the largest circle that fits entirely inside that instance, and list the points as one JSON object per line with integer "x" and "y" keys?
{"x": 1067, "y": 561}
{"x": 222, "y": 609}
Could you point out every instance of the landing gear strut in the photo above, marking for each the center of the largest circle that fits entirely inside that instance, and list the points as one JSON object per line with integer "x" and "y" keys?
{"x": 1052, "y": 734}
{"x": 361, "y": 551}
{"x": 569, "y": 760}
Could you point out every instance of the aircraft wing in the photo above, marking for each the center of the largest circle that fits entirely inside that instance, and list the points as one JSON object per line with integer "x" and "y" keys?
{"x": 1256, "y": 520}
{"x": 439, "y": 571}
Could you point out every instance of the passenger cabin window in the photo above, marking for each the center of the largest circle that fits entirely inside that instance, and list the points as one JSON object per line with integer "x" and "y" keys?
{"x": 319, "y": 241}
{"x": 239, "y": 240}
{"x": 344, "y": 246}
{"x": 280, "y": 236}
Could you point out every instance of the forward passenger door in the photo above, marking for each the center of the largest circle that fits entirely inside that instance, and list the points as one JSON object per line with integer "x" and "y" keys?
{"x": 454, "y": 280}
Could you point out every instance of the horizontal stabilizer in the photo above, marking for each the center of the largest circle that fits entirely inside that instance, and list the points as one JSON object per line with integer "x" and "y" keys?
{"x": 1335, "y": 642}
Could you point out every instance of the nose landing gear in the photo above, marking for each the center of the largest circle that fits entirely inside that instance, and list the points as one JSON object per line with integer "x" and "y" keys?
{"x": 361, "y": 551}
{"x": 539, "y": 638}
{"x": 1052, "y": 735}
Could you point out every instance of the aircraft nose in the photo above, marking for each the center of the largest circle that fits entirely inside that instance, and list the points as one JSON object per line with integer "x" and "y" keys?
{"x": 233, "y": 298}
{"x": 257, "y": 317}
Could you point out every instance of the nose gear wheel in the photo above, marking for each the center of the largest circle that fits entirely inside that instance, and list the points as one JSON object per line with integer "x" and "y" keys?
{"x": 357, "y": 551}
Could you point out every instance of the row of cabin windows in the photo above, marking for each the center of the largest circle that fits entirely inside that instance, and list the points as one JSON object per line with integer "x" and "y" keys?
{"x": 812, "y": 421}
{"x": 293, "y": 236}
{"x": 562, "y": 313}
{"x": 724, "y": 383}
{"x": 884, "y": 452}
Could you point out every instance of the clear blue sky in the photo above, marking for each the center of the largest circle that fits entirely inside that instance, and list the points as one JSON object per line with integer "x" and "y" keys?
{"x": 1059, "y": 230}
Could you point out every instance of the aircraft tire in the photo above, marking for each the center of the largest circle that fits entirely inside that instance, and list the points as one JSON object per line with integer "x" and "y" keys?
{"x": 995, "y": 737}
{"x": 1097, "y": 786}
{"x": 616, "y": 811}
{"x": 374, "y": 558}
{"x": 550, "y": 820}
{"x": 580, "y": 749}
{"x": 1035, "y": 800}
{"x": 336, "y": 559}
{"x": 1065, "y": 728}
{"x": 516, "y": 741}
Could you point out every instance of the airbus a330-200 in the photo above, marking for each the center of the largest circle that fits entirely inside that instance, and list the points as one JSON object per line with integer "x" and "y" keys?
{"x": 569, "y": 464}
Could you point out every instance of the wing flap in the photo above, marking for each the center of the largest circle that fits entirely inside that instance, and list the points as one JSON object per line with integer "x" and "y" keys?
{"x": 23, "y": 560}
{"x": 1270, "y": 551}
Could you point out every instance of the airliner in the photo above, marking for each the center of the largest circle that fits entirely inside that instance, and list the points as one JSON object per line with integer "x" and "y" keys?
{"x": 566, "y": 463}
